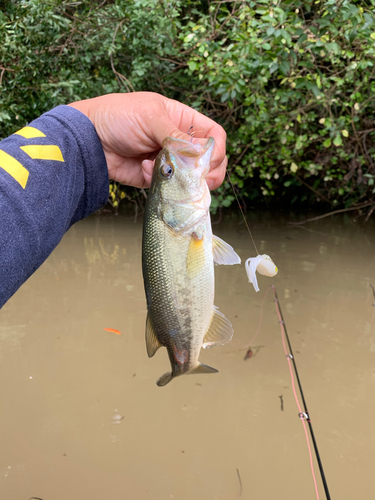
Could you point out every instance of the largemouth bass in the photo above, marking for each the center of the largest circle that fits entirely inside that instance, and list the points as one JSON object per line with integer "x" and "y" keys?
{"x": 178, "y": 256}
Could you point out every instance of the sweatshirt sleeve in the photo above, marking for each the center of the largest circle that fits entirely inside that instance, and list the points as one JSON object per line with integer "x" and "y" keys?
{"x": 53, "y": 173}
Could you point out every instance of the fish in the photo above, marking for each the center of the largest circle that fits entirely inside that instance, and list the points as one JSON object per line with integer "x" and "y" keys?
{"x": 178, "y": 256}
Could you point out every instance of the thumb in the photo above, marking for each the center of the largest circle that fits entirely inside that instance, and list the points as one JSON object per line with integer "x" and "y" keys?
{"x": 166, "y": 128}
{"x": 147, "y": 168}
{"x": 170, "y": 130}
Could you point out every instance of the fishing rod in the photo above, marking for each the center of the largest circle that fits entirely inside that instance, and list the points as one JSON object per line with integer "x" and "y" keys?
{"x": 305, "y": 414}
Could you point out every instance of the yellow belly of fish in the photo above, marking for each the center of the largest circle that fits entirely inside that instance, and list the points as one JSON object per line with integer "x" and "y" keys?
{"x": 192, "y": 284}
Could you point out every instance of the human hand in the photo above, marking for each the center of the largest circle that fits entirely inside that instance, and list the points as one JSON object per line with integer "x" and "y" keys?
{"x": 132, "y": 127}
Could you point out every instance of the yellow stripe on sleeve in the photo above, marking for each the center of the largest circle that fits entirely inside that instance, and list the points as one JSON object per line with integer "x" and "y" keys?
{"x": 39, "y": 152}
{"x": 30, "y": 132}
{"x": 14, "y": 168}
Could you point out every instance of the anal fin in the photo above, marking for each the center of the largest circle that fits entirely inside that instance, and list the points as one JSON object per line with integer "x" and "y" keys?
{"x": 219, "y": 332}
{"x": 152, "y": 342}
{"x": 201, "y": 368}
{"x": 223, "y": 253}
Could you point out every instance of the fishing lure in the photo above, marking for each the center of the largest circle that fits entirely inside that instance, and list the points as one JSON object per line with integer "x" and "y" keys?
{"x": 261, "y": 263}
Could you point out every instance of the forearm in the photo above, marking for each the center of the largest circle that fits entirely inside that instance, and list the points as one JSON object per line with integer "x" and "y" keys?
{"x": 52, "y": 174}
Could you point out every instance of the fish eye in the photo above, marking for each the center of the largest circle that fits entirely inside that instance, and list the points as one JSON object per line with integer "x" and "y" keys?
{"x": 167, "y": 170}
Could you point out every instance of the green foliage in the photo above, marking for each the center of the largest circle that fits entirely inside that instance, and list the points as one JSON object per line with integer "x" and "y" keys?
{"x": 291, "y": 81}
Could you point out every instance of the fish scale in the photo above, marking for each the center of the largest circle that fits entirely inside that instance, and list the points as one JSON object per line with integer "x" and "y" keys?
{"x": 178, "y": 260}
{"x": 172, "y": 305}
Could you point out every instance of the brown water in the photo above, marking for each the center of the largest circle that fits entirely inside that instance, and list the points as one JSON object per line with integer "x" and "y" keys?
{"x": 83, "y": 419}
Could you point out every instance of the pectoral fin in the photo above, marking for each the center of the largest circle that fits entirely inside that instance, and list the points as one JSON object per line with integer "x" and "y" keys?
{"x": 152, "y": 343}
{"x": 224, "y": 253}
{"x": 219, "y": 332}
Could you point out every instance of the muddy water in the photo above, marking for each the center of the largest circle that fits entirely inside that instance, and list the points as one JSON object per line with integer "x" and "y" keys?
{"x": 82, "y": 417}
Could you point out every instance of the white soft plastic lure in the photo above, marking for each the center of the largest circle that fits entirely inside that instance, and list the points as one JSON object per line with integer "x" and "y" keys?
{"x": 261, "y": 263}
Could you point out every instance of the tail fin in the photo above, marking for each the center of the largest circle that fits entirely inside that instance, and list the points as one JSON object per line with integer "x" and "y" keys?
{"x": 200, "y": 368}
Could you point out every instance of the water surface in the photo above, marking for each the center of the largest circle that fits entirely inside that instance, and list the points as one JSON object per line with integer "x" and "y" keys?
{"x": 82, "y": 417}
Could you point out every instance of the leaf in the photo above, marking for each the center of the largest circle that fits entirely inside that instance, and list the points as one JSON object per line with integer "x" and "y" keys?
{"x": 337, "y": 141}
{"x": 333, "y": 47}
{"x": 299, "y": 143}
{"x": 189, "y": 37}
{"x": 228, "y": 201}
{"x": 224, "y": 97}
{"x": 293, "y": 168}
{"x": 284, "y": 67}
{"x": 273, "y": 67}
{"x": 345, "y": 133}
{"x": 312, "y": 62}
{"x": 286, "y": 36}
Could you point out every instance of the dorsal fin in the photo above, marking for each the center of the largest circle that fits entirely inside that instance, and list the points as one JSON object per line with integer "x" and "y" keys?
{"x": 219, "y": 332}
{"x": 152, "y": 343}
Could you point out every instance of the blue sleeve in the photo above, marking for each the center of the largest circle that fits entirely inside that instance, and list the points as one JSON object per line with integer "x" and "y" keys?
{"x": 53, "y": 173}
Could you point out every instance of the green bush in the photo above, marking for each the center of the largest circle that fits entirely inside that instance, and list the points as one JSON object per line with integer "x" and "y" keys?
{"x": 292, "y": 82}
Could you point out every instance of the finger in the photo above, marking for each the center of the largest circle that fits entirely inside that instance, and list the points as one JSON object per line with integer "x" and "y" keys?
{"x": 147, "y": 169}
{"x": 125, "y": 170}
{"x": 218, "y": 160}
{"x": 208, "y": 128}
{"x": 183, "y": 117}
{"x": 166, "y": 128}
{"x": 176, "y": 119}
{"x": 216, "y": 175}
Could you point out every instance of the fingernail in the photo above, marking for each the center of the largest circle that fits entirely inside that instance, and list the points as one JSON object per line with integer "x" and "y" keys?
{"x": 210, "y": 184}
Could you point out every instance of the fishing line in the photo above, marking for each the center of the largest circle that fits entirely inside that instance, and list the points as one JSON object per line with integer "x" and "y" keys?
{"x": 249, "y": 344}
{"x": 263, "y": 264}
{"x": 191, "y": 133}
{"x": 243, "y": 215}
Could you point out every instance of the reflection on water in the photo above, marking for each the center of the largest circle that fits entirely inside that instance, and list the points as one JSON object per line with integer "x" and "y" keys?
{"x": 97, "y": 251}
{"x": 82, "y": 417}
